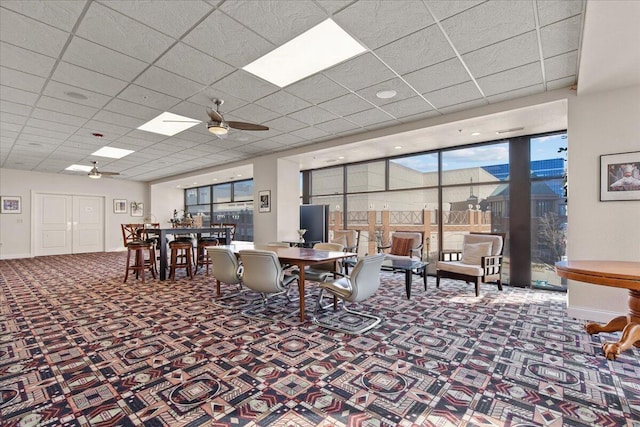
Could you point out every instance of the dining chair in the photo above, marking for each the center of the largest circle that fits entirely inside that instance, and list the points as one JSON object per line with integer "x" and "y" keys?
{"x": 226, "y": 269}
{"x": 263, "y": 273}
{"x": 363, "y": 283}
{"x": 321, "y": 272}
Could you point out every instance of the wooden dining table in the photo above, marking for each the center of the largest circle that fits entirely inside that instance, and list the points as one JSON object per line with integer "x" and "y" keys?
{"x": 300, "y": 257}
{"x": 617, "y": 274}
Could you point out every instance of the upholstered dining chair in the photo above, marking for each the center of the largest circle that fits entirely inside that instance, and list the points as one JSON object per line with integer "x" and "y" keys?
{"x": 363, "y": 282}
{"x": 348, "y": 238}
{"x": 479, "y": 260}
{"x": 263, "y": 273}
{"x": 320, "y": 272}
{"x": 226, "y": 269}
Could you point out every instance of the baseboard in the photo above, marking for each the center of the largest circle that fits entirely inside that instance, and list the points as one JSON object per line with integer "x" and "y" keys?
{"x": 592, "y": 314}
{"x": 14, "y": 256}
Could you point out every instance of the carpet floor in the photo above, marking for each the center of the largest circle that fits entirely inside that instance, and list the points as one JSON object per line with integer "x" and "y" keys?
{"x": 80, "y": 348}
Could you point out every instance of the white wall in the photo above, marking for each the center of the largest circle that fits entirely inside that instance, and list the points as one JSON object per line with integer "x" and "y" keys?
{"x": 601, "y": 123}
{"x": 164, "y": 199}
{"x": 16, "y": 229}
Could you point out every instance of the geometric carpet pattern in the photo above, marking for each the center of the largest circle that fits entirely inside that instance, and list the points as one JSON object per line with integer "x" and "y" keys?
{"x": 80, "y": 348}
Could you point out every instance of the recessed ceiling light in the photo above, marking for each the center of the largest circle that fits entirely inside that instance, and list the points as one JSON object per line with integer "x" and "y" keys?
{"x": 169, "y": 124}
{"x": 79, "y": 168}
{"x": 112, "y": 152}
{"x": 475, "y": 134}
{"x": 340, "y": 157}
{"x": 386, "y": 94}
{"x": 317, "y": 49}
{"x": 397, "y": 147}
{"x": 239, "y": 174}
{"x": 75, "y": 95}
{"x": 215, "y": 179}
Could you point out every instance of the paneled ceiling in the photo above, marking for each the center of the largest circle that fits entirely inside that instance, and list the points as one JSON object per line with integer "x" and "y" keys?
{"x": 73, "y": 68}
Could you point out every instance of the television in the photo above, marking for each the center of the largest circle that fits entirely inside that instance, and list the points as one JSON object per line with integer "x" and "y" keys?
{"x": 315, "y": 219}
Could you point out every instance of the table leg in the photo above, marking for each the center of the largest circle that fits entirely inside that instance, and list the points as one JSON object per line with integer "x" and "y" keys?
{"x": 163, "y": 255}
{"x": 407, "y": 282}
{"x": 424, "y": 276}
{"x": 630, "y": 337}
{"x": 301, "y": 290}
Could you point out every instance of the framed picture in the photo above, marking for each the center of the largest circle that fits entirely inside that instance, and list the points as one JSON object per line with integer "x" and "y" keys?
{"x": 11, "y": 204}
{"x": 137, "y": 209}
{"x": 620, "y": 176}
{"x": 119, "y": 205}
{"x": 264, "y": 198}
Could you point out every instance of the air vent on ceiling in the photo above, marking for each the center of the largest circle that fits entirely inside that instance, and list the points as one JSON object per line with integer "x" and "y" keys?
{"x": 499, "y": 132}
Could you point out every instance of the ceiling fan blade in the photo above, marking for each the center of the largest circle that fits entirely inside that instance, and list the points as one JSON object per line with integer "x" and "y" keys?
{"x": 246, "y": 126}
{"x": 109, "y": 173}
{"x": 215, "y": 116}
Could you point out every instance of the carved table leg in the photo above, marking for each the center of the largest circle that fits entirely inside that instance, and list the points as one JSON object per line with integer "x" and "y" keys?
{"x": 616, "y": 324}
{"x": 630, "y": 336}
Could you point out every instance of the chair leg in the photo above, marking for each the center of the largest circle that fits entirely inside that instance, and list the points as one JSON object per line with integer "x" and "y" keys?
{"x": 437, "y": 279}
{"x": 478, "y": 286}
{"x": 376, "y": 322}
{"x": 499, "y": 284}
{"x": 126, "y": 273}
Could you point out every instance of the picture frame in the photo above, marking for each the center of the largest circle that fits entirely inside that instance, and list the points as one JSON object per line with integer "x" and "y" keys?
{"x": 264, "y": 200}
{"x": 620, "y": 176}
{"x": 120, "y": 206}
{"x": 137, "y": 209}
{"x": 10, "y": 204}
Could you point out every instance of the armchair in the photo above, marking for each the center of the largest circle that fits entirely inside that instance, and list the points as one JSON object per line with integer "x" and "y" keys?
{"x": 479, "y": 261}
{"x": 404, "y": 245}
{"x": 350, "y": 239}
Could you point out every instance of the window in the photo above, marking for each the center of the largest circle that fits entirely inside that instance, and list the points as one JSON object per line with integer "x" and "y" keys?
{"x": 413, "y": 171}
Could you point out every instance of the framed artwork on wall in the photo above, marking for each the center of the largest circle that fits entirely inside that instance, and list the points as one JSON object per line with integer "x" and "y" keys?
{"x": 137, "y": 209}
{"x": 620, "y": 176}
{"x": 119, "y": 206}
{"x": 264, "y": 198}
{"x": 10, "y": 204}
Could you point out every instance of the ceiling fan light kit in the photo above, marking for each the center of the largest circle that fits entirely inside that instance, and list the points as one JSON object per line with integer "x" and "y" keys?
{"x": 95, "y": 174}
{"x": 218, "y": 128}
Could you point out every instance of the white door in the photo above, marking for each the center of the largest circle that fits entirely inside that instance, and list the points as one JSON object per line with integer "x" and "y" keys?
{"x": 68, "y": 224}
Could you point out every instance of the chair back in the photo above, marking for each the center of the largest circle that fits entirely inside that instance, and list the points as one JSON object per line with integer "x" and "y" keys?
{"x": 225, "y": 265}
{"x": 262, "y": 271}
{"x": 415, "y": 236}
{"x": 348, "y": 238}
{"x": 365, "y": 277}
{"x": 332, "y": 247}
{"x": 130, "y": 233}
{"x": 496, "y": 239}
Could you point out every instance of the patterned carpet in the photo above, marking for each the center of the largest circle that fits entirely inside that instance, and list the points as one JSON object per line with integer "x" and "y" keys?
{"x": 80, "y": 348}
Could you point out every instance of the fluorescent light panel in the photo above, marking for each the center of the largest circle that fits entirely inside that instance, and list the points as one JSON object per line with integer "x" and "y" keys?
{"x": 79, "y": 168}
{"x": 112, "y": 152}
{"x": 315, "y": 50}
{"x": 169, "y": 124}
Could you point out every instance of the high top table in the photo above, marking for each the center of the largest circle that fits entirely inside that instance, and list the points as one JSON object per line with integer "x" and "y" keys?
{"x": 162, "y": 234}
{"x": 617, "y": 274}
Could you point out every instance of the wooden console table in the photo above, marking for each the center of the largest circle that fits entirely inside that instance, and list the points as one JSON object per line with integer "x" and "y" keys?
{"x": 618, "y": 274}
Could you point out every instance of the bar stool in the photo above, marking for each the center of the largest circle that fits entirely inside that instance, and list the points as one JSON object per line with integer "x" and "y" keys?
{"x": 181, "y": 258}
{"x": 140, "y": 262}
{"x": 202, "y": 256}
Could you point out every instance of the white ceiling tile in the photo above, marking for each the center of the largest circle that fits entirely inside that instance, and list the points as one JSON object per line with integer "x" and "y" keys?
{"x": 116, "y": 31}
{"x": 56, "y": 127}
{"x": 561, "y": 83}
{"x": 285, "y": 124}
{"x": 45, "y": 135}
{"x": 59, "y": 13}
{"x": 276, "y": 20}
{"x": 420, "y": 116}
{"x": 337, "y": 126}
{"x": 251, "y": 113}
{"x": 148, "y": 97}
{"x": 347, "y": 104}
{"x": 165, "y": 82}
{"x": 12, "y": 127}
{"x": 464, "y": 106}
{"x": 168, "y": 16}
{"x": 143, "y": 135}
{"x": 407, "y": 107}
{"x": 58, "y": 117}
{"x": 21, "y": 80}
{"x": 561, "y": 37}
{"x": 439, "y": 76}
{"x": 509, "y": 80}
{"x": 132, "y": 109}
{"x": 245, "y": 86}
{"x": 510, "y": 53}
{"x": 369, "y": 117}
{"x": 13, "y": 118}
{"x": 489, "y": 23}
{"x": 60, "y": 91}
{"x": 86, "y": 54}
{"x": 282, "y": 102}
{"x": 87, "y": 79}
{"x": 360, "y": 72}
{"x": 316, "y": 89}
{"x": 118, "y": 119}
{"x": 287, "y": 139}
{"x": 379, "y": 22}
{"x": 14, "y": 108}
{"x": 313, "y": 115}
{"x": 550, "y": 11}
{"x": 561, "y": 66}
{"x": 453, "y": 95}
{"x": 17, "y": 95}
{"x": 418, "y": 50}
{"x": 333, "y": 6}
{"x": 526, "y": 91}
{"x": 443, "y": 9}
{"x": 29, "y": 34}
{"x": 54, "y": 104}
{"x": 105, "y": 128}
{"x": 25, "y": 60}
{"x": 188, "y": 62}
{"x": 227, "y": 40}
{"x": 403, "y": 91}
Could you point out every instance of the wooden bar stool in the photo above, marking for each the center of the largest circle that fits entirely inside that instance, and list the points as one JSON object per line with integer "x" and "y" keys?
{"x": 140, "y": 262}
{"x": 202, "y": 256}
{"x": 181, "y": 258}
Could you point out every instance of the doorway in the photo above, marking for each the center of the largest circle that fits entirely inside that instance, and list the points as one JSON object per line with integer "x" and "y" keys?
{"x": 68, "y": 224}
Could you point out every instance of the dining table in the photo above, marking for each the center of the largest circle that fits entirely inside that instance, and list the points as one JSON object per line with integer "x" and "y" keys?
{"x": 617, "y": 274}
{"x": 222, "y": 233}
{"x": 297, "y": 256}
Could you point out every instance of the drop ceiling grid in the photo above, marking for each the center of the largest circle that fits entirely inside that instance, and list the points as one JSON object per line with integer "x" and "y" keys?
{"x": 133, "y": 61}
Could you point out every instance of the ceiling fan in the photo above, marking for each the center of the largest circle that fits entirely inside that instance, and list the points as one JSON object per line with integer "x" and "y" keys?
{"x": 219, "y": 126}
{"x": 94, "y": 173}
